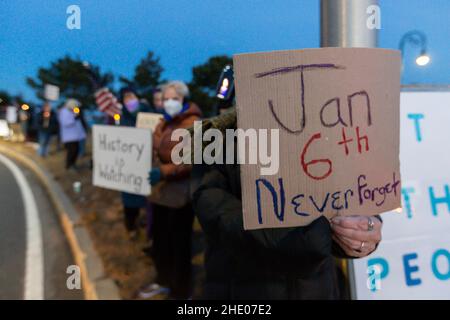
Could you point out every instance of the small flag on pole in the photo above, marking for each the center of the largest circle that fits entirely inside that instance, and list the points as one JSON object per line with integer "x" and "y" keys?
{"x": 107, "y": 102}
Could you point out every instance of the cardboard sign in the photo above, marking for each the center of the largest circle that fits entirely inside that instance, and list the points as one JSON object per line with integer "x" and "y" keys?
{"x": 414, "y": 256}
{"x": 122, "y": 158}
{"x": 51, "y": 92}
{"x": 337, "y": 112}
{"x": 148, "y": 120}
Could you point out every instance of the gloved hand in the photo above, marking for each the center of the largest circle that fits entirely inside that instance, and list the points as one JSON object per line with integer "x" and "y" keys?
{"x": 154, "y": 176}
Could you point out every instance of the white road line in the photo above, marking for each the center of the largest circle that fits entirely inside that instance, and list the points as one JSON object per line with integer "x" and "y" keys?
{"x": 34, "y": 258}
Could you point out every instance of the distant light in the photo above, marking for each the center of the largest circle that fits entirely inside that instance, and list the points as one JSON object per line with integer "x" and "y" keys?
{"x": 423, "y": 60}
{"x": 117, "y": 117}
{"x": 76, "y": 110}
{"x": 25, "y": 107}
{"x": 223, "y": 88}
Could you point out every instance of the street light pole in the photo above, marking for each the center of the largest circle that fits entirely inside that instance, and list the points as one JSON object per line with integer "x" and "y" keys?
{"x": 344, "y": 23}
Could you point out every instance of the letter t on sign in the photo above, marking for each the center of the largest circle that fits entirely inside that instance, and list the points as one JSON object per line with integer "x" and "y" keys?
{"x": 416, "y": 117}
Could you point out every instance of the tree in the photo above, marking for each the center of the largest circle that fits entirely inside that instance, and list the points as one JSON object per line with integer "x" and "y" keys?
{"x": 8, "y": 99}
{"x": 204, "y": 82}
{"x": 146, "y": 77}
{"x": 72, "y": 78}
{"x": 5, "y": 98}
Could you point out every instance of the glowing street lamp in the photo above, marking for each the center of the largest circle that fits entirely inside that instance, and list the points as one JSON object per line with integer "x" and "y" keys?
{"x": 423, "y": 60}
{"x": 417, "y": 39}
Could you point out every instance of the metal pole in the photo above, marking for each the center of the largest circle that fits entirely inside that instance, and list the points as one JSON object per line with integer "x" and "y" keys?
{"x": 344, "y": 23}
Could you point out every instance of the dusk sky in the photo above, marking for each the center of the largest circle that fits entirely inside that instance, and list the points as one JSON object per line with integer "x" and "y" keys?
{"x": 116, "y": 34}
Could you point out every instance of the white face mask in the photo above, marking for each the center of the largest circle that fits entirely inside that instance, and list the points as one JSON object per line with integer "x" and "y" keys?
{"x": 172, "y": 107}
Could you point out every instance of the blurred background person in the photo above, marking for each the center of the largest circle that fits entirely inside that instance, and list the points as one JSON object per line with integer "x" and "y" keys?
{"x": 47, "y": 125}
{"x": 71, "y": 131}
{"x": 132, "y": 203}
{"x": 82, "y": 144}
{"x": 158, "y": 99}
{"x": 172, "y": 211}
{"x": 157, "y": 107}
{"x": 24, "y": 119}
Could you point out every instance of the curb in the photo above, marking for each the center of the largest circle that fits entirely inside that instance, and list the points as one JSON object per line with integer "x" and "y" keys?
{"x": 96, "y": 285}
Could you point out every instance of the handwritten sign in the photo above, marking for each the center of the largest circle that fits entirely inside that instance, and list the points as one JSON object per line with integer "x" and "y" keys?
{"x": 337, "y": 111}
{"x": 148, "y": 120}
{"x": 122, "y": 158}
{"x": 413, "y": 260}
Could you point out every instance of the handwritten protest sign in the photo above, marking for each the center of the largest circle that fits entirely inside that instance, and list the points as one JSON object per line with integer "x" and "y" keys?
{"x": 122, "y": 158}
{"x": 337, "y": 111}
{"x": 148, "y": 120}
{"x": 413, "y": 260}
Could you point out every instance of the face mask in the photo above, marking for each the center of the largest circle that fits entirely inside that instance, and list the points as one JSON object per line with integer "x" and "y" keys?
{"x": 132, "y": 105}
{"x": 172, "y": 107}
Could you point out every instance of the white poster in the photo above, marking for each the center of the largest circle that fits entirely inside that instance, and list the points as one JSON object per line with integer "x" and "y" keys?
{"x": 4, "y": 129}
{"x": 148, "y": 120}
{"x": 51, "y": 92}
{"x": 413, "y": 259}
{"x": 11, "y": 114}
{"x": 122, "y": 158}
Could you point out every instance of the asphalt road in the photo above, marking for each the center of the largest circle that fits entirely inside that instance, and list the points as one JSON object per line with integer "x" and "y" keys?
{"x": 34, "y": 253}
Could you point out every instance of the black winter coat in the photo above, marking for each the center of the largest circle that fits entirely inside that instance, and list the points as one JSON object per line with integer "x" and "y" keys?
{"x": 52, "y": 126}
{"x": 284, "y": 263}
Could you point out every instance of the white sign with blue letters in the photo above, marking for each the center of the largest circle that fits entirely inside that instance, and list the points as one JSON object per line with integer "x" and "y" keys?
{"x": 413, "y": 259}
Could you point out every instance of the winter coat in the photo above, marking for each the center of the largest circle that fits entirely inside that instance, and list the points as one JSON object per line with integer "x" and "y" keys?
{"x": 71, "y": 128}
{"x": 50, "y": 126}
{"x": 276, "y": 263}
{"x": 175, "y": 178}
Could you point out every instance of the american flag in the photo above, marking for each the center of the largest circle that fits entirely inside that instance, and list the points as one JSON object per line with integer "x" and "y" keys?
{"x": 107, "y": 102}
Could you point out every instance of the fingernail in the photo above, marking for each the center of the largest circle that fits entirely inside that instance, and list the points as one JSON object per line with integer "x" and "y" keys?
{"x": 336, "y": 220}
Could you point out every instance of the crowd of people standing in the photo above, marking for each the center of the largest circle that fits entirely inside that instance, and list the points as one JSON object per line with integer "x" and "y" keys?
{"x": 240, "y": 264}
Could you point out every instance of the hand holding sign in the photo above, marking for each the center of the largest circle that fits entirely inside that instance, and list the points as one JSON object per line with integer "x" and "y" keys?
{"x": 355, "y": 236}
{"x": 154, "y": 176}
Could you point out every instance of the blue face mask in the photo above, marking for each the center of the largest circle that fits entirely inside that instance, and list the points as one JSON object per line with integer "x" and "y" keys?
{"x": 132, "y": 105}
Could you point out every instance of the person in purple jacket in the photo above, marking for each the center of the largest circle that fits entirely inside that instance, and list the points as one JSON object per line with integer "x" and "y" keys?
{"x": 71, "y": 131}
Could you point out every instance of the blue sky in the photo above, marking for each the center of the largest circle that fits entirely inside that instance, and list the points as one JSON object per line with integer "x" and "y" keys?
{"x": 116, "y": 34}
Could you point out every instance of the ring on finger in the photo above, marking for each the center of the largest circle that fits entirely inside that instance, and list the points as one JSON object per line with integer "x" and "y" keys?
{"x": 361, "y": 247}
{"x": 370, "y": 224}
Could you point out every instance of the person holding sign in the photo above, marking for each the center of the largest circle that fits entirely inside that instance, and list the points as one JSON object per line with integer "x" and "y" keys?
{"x": 132, "y": 203}
{"x": 272, "y": 263}
{"x": 334, "y": 117}
{"x": 172, "y": 211}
